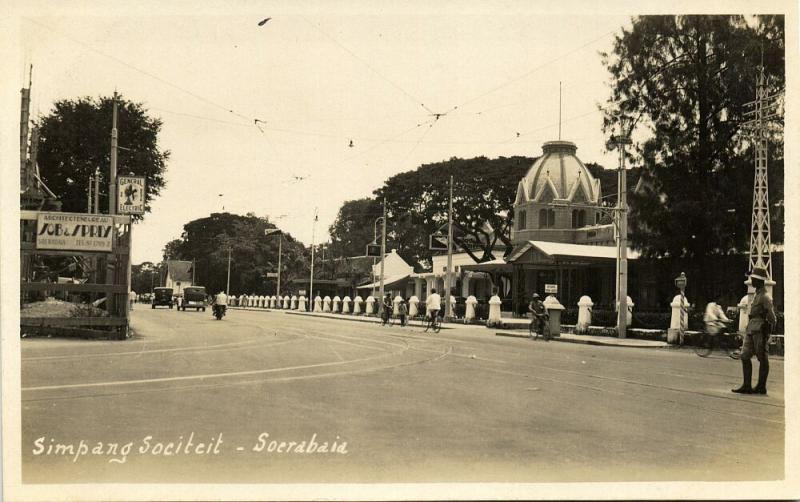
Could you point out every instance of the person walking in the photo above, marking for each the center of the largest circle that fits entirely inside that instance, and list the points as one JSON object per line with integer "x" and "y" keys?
{"x": 402, "y": 311}
{"x": 761, "y": 322}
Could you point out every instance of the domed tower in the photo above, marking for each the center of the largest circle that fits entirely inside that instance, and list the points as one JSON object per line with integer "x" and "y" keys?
{"x": 556, "y": 200}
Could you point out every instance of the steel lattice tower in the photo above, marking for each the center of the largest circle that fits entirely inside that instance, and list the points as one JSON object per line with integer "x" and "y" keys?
{"x": 763, "y": 110}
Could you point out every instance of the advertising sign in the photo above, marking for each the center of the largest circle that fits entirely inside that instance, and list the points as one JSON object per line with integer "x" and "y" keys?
{"x": 373, "y": 249}
{"x": 130, "y": 193}
{"x": 74, "y": 232}
{"x": 272, "y": 275}
{"x": 551, "y": 289}
{"x": 437, "y": 242}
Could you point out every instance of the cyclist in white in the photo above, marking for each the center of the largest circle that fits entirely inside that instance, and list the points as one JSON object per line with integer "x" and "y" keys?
{"x": 433, "y": 304}
{"x": 714, "y": 318}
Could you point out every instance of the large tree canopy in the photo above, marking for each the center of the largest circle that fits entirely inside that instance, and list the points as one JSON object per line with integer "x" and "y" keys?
{"x": 680, "y": 83}
{"x": 75, "y": 140}
{"x": 253, "y": 254}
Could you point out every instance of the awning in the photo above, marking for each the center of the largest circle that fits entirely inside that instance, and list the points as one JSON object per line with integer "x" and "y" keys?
{"x": 388, "y": 282}
{"x": 496, "y": 264}
{"x": 561, "y": 249}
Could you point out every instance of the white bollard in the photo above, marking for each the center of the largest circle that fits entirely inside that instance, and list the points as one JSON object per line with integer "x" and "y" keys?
{"x": 629, "y": 317}
{"x": 679, "y": 320}
{"x": 301, "y": 303}
{"x": 286, "y": 301}
{"x": 370, "y": 305}
{"x": 317, "y": 304}
{"x": 494, "y": 310}
{"x": 346, "y": 305}
{"x": 293, "y": 302}
{"x": 469, "y": 314}
{"x": 272, "y": 302}
{"x": 413, "y": 306}
{"x": 585, "y": 305}
{"x": 554, "y": 309}
{"x": 336, "y": 302}
{"x": 326, "y": 304}
{"x": 744, "y": 313}
{"x": 357, "y": 301}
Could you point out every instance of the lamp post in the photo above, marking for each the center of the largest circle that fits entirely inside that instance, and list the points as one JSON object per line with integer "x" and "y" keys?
{"x": 228, "y": 283}
{"x": 271, "y": 231}
{"x": 383, "y": 248}
{"x": 311, "y": 280}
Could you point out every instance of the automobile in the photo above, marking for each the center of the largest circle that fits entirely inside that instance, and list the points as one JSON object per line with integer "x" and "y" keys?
{"x": 194, "y": 297}
{"x": 162, "y": 296}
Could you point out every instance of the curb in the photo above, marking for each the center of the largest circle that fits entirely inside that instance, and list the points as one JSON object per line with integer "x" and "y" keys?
{"x": 358, "y": 319}
{"x": 588, "y": 342}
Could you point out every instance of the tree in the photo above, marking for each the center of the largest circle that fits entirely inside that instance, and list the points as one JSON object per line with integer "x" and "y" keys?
{"x": 483, "y": 193}
{"x": 253, "y": 255}
{"x": 680, "y": 82}
{"x": 354, "y": 227}
{"x": 75, "y": 140}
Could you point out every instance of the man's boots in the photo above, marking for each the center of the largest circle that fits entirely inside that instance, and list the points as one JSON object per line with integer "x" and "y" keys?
{"x": 763, "y": 372}
{"x": 747, "y": 374}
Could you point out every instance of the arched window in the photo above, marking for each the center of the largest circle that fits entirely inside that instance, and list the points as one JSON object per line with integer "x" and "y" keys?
{"x": 581, "y": 218}
{"x": 521, "y": 224}
{"x": 547, "y": 218}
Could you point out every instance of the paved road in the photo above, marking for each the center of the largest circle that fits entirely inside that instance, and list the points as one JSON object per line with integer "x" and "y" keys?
{"x": 401, "y": 405}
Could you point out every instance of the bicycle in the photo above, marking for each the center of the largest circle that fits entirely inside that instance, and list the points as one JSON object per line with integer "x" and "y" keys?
{"x": 533, "y": 332}
{"x": 433, "y": 322}
{"x": 731, "y": 343}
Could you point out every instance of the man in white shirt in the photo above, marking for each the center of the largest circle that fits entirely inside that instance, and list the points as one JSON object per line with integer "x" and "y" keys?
{"x": 433, "y": 303}
{"x": 714, "y": 318}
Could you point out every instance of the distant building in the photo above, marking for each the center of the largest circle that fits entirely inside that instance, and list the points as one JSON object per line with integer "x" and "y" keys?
{"x": 179, "y": 275}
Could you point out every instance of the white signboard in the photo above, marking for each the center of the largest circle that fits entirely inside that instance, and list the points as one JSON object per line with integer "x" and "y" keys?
{"x": 551, "y": 289}
{"x": 74, "y": 232}
{"x": 130, "y": 194}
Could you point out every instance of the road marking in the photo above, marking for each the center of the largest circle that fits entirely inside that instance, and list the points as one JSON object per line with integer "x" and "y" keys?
{"x": 219, "y": 375}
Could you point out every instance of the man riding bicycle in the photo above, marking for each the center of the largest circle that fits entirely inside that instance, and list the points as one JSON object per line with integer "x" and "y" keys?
{"x": 433, "y": 304}
{"x": 540, "y": 316}
{"x": 715, "y": 318}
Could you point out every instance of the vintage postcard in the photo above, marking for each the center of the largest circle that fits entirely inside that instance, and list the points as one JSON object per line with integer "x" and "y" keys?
{"x": 379, "y": 250}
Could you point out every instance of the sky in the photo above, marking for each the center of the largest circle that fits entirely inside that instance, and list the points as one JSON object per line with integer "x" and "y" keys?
{"x": 261, "y": 118}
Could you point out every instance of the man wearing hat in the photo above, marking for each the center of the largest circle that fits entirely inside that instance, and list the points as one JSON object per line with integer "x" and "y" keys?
{"x": 761, "y": 322}
{"x": 540, "y": 317}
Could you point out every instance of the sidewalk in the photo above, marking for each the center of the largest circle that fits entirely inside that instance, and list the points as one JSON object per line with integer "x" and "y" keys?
{"x": 565, "y": 337}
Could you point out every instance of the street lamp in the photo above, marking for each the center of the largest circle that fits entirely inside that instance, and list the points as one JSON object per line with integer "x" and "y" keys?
{"x": 272, "y": 231}
{"x": 383, "y": 244}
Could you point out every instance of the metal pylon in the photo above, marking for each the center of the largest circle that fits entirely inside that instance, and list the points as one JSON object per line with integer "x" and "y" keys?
{"x": 764, "y": 108}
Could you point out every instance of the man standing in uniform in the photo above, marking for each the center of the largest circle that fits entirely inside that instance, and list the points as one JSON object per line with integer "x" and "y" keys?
{"x": 761, "y": 323}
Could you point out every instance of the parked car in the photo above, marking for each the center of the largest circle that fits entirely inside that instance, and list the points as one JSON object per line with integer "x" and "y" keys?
{"x": 162, "y": 296}
{"x": 194, "y": 297}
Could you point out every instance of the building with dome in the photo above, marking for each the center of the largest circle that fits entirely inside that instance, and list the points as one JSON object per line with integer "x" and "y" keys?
{"x": 563, "y": 233}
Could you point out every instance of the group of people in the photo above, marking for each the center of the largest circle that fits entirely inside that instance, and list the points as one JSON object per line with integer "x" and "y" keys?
{"x": 433, "y": 305}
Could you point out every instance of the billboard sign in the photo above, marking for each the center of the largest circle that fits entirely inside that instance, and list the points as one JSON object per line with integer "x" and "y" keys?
{"x": 74, "y": 232}
{"x": 437, "y": 242}
{"x": 130, "y": 194}
{"x": 551, "y": 289}
{"x": 373, "y": 249}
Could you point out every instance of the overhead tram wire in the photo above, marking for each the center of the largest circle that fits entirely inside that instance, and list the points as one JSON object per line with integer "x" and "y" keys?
{"x": 371, "y": 68}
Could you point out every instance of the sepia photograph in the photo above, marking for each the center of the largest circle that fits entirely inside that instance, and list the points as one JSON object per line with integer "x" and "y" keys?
{"x": 378, "y": 250}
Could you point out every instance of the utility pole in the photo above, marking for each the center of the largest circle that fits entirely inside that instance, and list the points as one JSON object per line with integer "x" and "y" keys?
{"x": 764, "y": 108}
{"x": 228, "y": 283}
{"x": 89, "y": 196}
{"x": 311, "y": 281}
{"x": 96, "y": 191}
{"x": 448, "y": 282}
{"x": 278, "y": 285}
{"x": 112, "y": 181}
{"x": 621, "y": 142}
{"x": 383, "y": 252}
{"x": 193, "y": 272}
{"x": 559, "y": 110}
